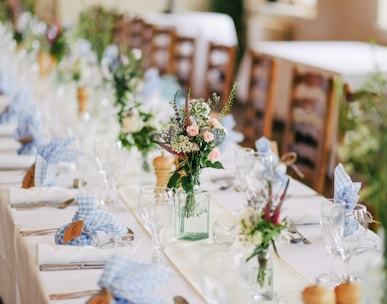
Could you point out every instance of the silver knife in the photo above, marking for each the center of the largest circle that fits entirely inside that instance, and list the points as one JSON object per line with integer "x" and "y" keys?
{"x": 33, "y": 205}
{"x": 71, "y": 266}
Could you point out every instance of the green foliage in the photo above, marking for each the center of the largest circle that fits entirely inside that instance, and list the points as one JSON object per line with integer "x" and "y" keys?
{"x": 95, "y": 24}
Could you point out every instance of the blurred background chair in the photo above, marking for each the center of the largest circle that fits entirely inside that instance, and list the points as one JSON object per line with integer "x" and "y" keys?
{"x": 163, "y": 42}
{"x": 308, "y": 128}
{"x": 183, "y": 61}
{"x": 259, "y": 108}
{"x": 221, "y": 61}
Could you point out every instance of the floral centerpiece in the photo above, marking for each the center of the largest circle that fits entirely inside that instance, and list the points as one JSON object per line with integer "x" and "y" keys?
{"x": 363, "y": 123}
{"x": 56, "y": 38}
{"x": 137, "y": 124}
{"x": 193, "y": 136}
{"x": 259, "y": 228}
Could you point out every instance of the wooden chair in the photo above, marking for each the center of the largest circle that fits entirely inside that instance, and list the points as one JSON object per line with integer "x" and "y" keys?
{"x": 182, "y": 61}
{"x": 163, "y": 41}
{"x": 309, "y": 126}
{"x": 121, "y": 30}
{"x": 146, "y": 43}
{"x": 135, "y": 32}
{"x": 259, "y": 109}
{"x": 220, "y": 71}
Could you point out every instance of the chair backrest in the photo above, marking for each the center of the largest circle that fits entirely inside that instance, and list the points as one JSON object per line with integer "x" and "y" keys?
{"x": 183, "y": 61}
{"x": 259, "y": 109}
{"x": 163, "y": 41}
{"x": 309, "y": 126}
{"x": 135, "y": 32}
{"x": 220, "y": 71}
{"x": 146, "y": 43}
{"x": 121, "y": 30}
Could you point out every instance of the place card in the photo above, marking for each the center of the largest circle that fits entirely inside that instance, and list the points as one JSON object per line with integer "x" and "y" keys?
{"x": 103, "y": 297}
{"x": 28, "y": 179}
{"x": 73, "y": 231}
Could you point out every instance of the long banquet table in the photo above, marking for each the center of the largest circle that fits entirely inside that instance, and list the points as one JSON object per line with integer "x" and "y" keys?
{"x": 22, "y": 282}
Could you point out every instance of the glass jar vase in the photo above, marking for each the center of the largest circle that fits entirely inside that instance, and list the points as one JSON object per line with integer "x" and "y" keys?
{"x": 192, "y": 214}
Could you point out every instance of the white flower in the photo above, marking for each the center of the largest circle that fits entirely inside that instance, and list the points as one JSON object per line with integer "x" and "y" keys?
{"x": 132, "y": 124}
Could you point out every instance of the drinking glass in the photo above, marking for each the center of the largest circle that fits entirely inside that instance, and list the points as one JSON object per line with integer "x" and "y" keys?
{"x": 155, "y": 208}
{"x": 241, "y": 169}
{"x": 349, "y": 227}
{"x": 108, "y": 160}
{"x": 329, "y": 278}
{"x": 260, "y": 171}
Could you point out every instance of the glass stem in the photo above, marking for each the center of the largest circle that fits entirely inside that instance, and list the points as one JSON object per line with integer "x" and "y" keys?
{"x": 346, "y": 258}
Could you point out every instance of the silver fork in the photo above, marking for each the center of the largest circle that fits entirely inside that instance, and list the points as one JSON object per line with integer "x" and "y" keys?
{"x": 293, "y": 229}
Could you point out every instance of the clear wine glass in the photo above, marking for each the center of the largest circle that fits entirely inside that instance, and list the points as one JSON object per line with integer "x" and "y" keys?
{"x": 329, "y": 278}
{"x": 260, "y": 172}
{"x": 349, "y": 227}
{"x": 155, "y": 208}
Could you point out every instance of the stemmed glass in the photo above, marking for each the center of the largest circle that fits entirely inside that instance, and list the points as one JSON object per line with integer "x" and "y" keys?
{"x": 260, "y": 172}
{"x": 155, "y": 207}
{"x": 326, "y": 218}
{"x": 349, "y": 227}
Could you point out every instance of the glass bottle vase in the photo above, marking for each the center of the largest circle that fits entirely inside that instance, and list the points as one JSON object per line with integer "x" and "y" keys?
{"x": 192, "y": 214}
{"x": 258, "y": 274}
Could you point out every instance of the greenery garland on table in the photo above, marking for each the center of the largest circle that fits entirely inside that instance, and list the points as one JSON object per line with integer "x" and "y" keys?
{"x": 362, "y": 149}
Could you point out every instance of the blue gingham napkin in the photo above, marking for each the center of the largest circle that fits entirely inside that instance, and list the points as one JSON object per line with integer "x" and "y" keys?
{"x": 29, "y": 127}
{"x": 132, "y": 282}
{"x": 21, "y": 101}
{"x": 344, "y": 188}
{"x": 93, "y": 221}
{"x": 348, "y": 191}
{"x": 57, "y": 150}
{"x": 263, "y": 145}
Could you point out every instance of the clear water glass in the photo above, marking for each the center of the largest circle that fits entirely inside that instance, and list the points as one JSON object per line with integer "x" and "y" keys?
{"x": 224, "y": 232}
{"x": 240, "y": 156}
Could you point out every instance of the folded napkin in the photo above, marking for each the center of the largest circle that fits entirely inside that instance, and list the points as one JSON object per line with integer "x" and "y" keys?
{"x": 10, "y": 161}
{"x": 132, "y": 282}
{"x": 63, "y": 254}
{"x": 7, "y": 129}
{"x": 29, "y": 130}
{"x": 20, "y": 102}
{"x": 93, "y": 221}
{"x": 344, "y": 188}
{"x": 348, "y": 191}
{"x": 40, "y": 194}
{"x": 263, "y": 145}
{"x": 48, "y": 156}
{"x": 9, "y": 144}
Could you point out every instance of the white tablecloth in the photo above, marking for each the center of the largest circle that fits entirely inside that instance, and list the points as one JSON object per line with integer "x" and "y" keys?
{"x": 297, "y": 268}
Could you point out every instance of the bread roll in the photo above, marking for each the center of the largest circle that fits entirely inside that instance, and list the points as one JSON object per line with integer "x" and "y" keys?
{"x": 348, "y": 293}
{"x": 318, "y": 295}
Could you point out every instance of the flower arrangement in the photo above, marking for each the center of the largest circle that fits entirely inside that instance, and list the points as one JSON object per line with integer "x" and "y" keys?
{"x": 193, "y": 136}
{"x": 137, "y": 124}
{"x": 56, "y": 39}
{"x": 260, "y": 227}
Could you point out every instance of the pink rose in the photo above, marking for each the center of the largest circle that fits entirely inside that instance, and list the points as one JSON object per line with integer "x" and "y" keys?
{"x": 208, "y": 136}
{"x": 214, "y": 155}
{"x": 215, "y": 123}
{"x": 192, "y": 130}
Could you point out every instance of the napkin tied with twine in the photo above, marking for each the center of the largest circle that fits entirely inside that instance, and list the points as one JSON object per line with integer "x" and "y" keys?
{"x": 42, "y": 173}
{"x": 347, "y": 191}
{"x": 132, "y": 282}
{"x": 280, "y": 164}
{"x": 94, "y": 220}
